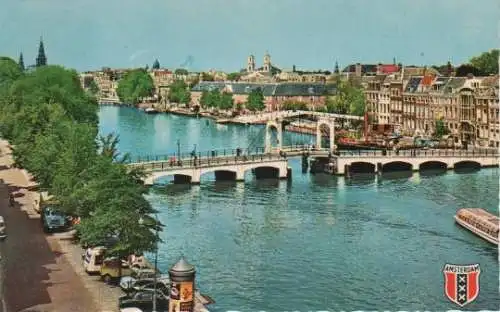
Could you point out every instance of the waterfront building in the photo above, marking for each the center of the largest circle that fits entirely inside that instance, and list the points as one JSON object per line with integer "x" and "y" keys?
{"x": 275, "y": 94}
{"x": 468, "y": 106}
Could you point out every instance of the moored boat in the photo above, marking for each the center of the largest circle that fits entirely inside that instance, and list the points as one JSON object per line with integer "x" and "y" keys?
{"x": 479, "y": 222}
{"x": 150, "y": 110}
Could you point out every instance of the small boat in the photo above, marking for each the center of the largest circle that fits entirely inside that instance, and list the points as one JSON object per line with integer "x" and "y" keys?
{"x": 150, "y": 110}
{"x": 480, "y": 222}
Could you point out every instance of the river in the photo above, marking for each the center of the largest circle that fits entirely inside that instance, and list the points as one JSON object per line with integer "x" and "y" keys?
{"x": 315, "y": 243}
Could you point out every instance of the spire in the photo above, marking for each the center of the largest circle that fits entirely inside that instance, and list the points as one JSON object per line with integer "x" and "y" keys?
{"x": 21, "y": 62}
{"x": 41, "y": 59}
{"x": 336, "y": 67}
{"x": 156, "y": 64}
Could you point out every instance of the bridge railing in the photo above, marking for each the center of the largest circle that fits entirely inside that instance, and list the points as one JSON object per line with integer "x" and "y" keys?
{"x": 206, "y": 162}
{"x": 419, "y": 153}
{"x": 216, "y": 153}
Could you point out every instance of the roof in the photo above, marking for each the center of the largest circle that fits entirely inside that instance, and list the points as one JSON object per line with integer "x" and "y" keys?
{"x": 365, "y": 68}
{"x": 304, "y": 89}
{"x": 182, "y": 266}
{"x": 208, "y": 86}
{"x": 246, "y": 88}
{"x": 454, "y": 83}
{"x": 271, "y": 89}
{"x": 413, "y": 84}
{"x": 388, "y": 68}
{"x": 490, "y": 81}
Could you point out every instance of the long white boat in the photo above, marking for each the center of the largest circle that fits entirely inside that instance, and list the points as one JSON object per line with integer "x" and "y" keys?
{"x": 150, "y": 110}
{"x": 480, "y": 222}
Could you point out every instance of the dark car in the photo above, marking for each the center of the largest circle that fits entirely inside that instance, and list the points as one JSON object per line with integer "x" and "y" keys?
{"x": 144, "y": 301}
{"x": 52, "y": 220}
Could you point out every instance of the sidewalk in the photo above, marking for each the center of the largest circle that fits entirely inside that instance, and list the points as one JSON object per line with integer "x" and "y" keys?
{"x": 47, "y": 268}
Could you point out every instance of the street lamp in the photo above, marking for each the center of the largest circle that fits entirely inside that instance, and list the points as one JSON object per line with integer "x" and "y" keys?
{"x": 141, "y": 222}
{"x": 179, "y": 149}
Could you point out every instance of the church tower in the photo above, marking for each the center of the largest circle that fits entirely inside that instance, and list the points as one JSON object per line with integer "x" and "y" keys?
{"x": 41, "y": 59}
{"x": 267, "y": 62}
{"x": 251, "y": 63}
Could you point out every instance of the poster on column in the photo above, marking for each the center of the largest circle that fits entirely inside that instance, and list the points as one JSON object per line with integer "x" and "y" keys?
{"x": 174, "y": 306}
{"x": 186, "y": 294}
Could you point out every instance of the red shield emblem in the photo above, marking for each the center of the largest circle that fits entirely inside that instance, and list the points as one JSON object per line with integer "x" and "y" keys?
{"x": 461, "y": 283}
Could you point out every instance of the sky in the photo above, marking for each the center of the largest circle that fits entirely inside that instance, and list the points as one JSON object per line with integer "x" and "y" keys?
{"x": 220, "y": 34}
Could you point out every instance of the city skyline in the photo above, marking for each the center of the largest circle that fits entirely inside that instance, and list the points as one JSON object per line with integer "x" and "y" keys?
{"x": 311, "y": 35}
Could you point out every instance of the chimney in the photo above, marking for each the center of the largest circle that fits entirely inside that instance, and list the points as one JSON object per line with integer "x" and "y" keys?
{"x": 358, "y": 71}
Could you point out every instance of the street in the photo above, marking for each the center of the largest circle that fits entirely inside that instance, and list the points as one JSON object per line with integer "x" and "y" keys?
{"x": 35, "y": 276}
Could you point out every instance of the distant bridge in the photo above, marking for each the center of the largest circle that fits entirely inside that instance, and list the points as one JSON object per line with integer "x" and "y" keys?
{"x": 412, "y": 160}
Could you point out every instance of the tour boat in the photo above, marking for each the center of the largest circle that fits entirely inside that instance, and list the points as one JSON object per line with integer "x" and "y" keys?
{"x": 479, "y": 222}
{"x": 150, "y": 110}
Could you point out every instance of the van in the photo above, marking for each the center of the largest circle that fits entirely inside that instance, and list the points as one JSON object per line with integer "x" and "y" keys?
{"x": 113, "y": 269}
{"x": 93, "y": 259}
{"x": 3, "y": 230}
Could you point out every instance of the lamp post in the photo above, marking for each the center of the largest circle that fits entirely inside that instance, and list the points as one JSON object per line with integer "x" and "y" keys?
{"x": 179, "y": 149}
{"x": 141, "y": 222}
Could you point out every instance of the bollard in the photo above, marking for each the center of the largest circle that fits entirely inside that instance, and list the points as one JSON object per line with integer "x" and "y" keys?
{"x": 182, "y": 276}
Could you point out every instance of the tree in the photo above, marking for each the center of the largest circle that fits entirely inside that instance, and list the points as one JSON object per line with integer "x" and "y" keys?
{"x": 206, "y": 77}
{"x": 156, "y": 64}
{"x": 348, "y": 100}
{"x": 93, "y": 87}
{"x": 181, "y": 72}
{"x": 441, "y": 129}
{"x": 52, "y": 124}
{"x": 226, "y": 101}
{"x": 487, "y": 62}
{"x": 255, "y": 100}
{"x": 233, "y": 76}
{"x": 134, "y": 86}
{"x": 294, "y": 105}
{"x": 179, "y": 92}
{"x": 466, "y": 69}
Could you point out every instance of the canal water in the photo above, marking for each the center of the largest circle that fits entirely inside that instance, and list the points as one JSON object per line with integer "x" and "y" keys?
{"x": 315, "y": 243}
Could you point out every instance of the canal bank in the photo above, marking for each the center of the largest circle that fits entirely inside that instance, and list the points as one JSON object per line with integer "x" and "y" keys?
{"x": 317, "y": 242}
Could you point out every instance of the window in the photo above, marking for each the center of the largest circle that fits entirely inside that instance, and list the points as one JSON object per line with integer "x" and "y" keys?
{"x": 99, "y": 259}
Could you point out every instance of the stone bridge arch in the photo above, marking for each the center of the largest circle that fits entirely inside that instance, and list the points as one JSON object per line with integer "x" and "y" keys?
{"x": 277, "y": 124}
{"x": 331, "y": 127}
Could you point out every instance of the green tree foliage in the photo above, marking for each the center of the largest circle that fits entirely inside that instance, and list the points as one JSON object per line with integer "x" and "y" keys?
{"x": 441, "y": 129}
{"x": 93, "y": 87}
{"x": 348, "y": 100}
{"x": 226, "y": 101}
{"x": 52, "y": 124}
{"x": 210, "y": 99}
{"x": 179, "y": 92}
{"x": 181, "y": 71}
{"x": 207, "y": 77}
{"x": 255, "y": 100}
{"x": 487, "y": 62}
{"x": 294, "y": 105}
{"x": 134, "y": 86}
{"x": 467, "y": 69}
{"x": 233, "y": 76}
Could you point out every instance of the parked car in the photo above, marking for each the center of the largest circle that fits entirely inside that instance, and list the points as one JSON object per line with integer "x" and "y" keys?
{"x": 144, "y": 301}
{"x": 3, "y": 230}
{"x": 52, "y": 220}
{"x": 148, "y": 285}
{"x": 93, "y": 259}
{"x": 113, "y": 269}
{"x": 146, "y": 274}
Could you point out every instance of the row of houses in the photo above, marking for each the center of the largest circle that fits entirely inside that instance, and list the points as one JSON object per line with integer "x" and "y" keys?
{"x": 468, "y": 106}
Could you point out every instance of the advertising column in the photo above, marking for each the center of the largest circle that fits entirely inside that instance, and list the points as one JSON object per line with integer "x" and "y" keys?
{"x": 182, "y": 276}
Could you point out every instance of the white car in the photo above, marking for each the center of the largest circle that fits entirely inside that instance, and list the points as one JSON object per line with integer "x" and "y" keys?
{"x": 130, "y": 310}
{"x": 140, "y": 277}
{"x": 3, "y": 230}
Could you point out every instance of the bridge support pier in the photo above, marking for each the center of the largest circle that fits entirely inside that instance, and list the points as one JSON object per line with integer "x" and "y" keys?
{"x": 240, "y": 175}
{"x": 331, "y": 135}
{"x": 278, "y": 125}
